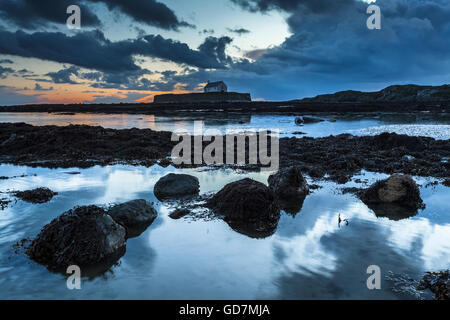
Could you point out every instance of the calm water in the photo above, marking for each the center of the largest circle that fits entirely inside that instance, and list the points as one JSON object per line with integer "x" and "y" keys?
{"x": 309, "y": 256}
{"x": 423, "y": 124}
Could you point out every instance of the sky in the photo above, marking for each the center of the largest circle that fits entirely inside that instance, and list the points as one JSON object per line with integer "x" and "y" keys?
{"x": 129, "y": 51}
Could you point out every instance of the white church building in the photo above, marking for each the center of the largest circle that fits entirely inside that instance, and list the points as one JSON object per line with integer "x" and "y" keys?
{"x": 218, "y": 86}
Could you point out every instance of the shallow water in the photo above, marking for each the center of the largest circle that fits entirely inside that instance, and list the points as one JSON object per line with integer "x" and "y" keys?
{"x": 422, "y": 124}
{"x": 309, "y": 256}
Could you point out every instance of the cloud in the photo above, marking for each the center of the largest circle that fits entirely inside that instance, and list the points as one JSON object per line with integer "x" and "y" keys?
{"x": 64, "y": 75}
{"x": 255, "y": 54}
{"x": 215, "y": 47}
{"x": 331, "y": 49}
{"x": 131, "y": 97}
{"x": 4, "y": 72}
{"x": 32, "y": 14}
{"x": 206, "y": 31}
{"x": 10, "y": 96}
{"x": 315, "y": 6}
{"x": 38, "y": 87}
{"x": 238, "y": 31}
{"x": 91, "y": 50}
{"x": 149, "y": 12}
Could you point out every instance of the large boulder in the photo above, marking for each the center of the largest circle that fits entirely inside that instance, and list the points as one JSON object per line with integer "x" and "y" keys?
{"x": 136, "y": 216}
{"x": 248, "y": 206}
{"x": 174, "y": 186}
{"x": 397, "y": 197}
{"x": 38, "y": 195}
{"x": 84, "y": 236}
{"x": 290, "y": 187}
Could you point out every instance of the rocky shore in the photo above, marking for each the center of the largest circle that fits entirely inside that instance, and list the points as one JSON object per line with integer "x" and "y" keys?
{"x": 340, "y": 157}
{"x": 335, "y": 158}
{"x": 80, "y": 146}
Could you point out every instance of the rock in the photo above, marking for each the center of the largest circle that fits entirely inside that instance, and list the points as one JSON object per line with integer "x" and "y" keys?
{"x": 299, "y": 121}
{"x": 446, "y": 182}
{"x": 4, "y": 203}
{"x": 84, "y": 236}
{"x": 136, "y": 216}
{"x": 397, "y": 197}
{"x": 248, "y": 206}
{"x": 290, "y": 188}
{"x": 438, "y": 283}
{"x": 392, "y": 140}
{"x": 340, "y": 179}
{"x": 306, "y": 120}
{"x": 11, "y": 139}
{"x": 39, "y": 195}
{"x": 175, "y": 186}
{"x": 179, "y": 213}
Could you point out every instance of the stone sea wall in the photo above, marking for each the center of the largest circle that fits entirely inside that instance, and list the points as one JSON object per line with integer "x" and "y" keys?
{"x": 203, "y": 97}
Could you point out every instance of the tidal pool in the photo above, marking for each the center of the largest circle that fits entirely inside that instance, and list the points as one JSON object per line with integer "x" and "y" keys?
{"x": 309, "y": 256}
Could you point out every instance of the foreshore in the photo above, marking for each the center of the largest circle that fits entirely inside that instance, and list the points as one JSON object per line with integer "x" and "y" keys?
{"x": 336, "y": 158}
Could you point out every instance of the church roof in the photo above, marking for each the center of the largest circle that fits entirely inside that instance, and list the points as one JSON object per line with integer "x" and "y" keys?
{"x": 214, "y": 84}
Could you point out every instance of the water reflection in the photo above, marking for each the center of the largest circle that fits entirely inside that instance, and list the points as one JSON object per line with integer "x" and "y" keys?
{"x": 308, "y": 256}
{"x": 421, "y": 124}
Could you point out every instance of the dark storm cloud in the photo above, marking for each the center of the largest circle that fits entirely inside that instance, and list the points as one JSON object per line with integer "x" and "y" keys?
{"x": 331, "y": 48}
{"x": 31, "y": 14}
{"x": 92, "y": 76}
{"x": 92, "y": 50}
{"x": 315, "y": 6}
{"x": 215, "y": 47}
{"x": 149, "y": 12}
{"x": 238, "y": 31}
{"x": 210, "y": 54}
{"x": 64, "y": 75}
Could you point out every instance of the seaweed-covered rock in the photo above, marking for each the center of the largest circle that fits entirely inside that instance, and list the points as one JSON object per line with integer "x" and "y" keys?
{"x": 179, "y": 213}
{"x": 38, "y": 195}
{"x": 136, "y": 216}
{"x": 397, "y": 197}
{"x": 438, "y": 283}
{"x": 248, "y": 206}
{"x": 83, "y": 236}
{"x": 392, "y": 140}
{"x": 290, "y": 187}
{"x": 174, "y": 186}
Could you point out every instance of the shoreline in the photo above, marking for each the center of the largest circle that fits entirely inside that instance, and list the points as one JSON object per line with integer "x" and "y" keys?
{"x": 254, "y": 107}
